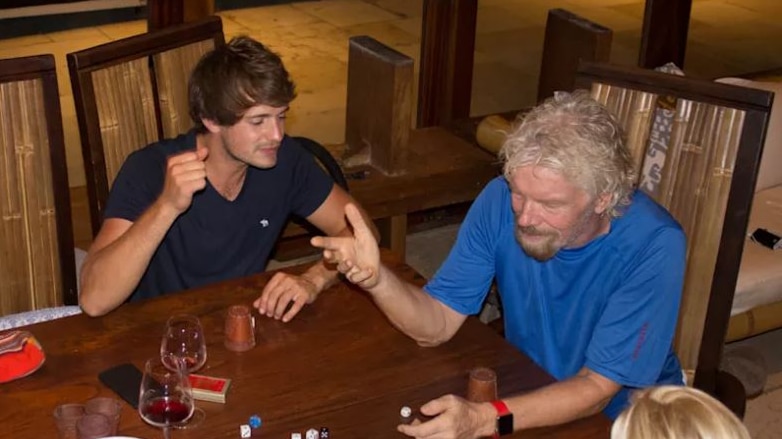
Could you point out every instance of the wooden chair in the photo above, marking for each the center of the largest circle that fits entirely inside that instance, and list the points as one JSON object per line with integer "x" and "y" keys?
{"x": 706, "y": 180}
{"x": 326, "y": 160}
{"x": 132, "y": 92}
{"x": 37, "y": 267}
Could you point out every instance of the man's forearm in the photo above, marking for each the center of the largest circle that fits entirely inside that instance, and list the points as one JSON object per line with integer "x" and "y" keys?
{"x": 558, "y": 403}
{"x": 410, "y": 309}
{"x": 111, "y": 274}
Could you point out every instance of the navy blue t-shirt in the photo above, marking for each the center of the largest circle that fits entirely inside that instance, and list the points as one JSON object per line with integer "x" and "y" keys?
{"x": 216, "y": 239}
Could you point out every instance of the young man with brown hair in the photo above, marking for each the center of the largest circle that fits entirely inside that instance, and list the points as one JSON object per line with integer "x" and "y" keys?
{"x": 210, "y": 204}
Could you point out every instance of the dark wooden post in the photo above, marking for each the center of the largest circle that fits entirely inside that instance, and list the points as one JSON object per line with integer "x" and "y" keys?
{"x": 664, "y": 34}
{"x": 198, "y": 9}
{"x": 378, "y": 116}
{"x": 447, "y": 46}
{"x": 164, "y": 13}
{"x": 569, "y": 39}
{"x": 380, "y": 104}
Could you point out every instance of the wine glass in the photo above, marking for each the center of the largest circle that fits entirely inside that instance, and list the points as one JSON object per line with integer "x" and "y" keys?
{"x": 165, "y": 395}
{"x": 184, "y": 341}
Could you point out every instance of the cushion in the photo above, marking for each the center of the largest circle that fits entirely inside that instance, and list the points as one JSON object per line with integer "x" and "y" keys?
{"x": 770, "y": 173}
{"x": 760, "y": 276}
{"x": 37, "y": 316}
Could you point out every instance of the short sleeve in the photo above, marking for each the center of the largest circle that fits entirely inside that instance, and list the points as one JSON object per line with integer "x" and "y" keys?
{"x": 311, "y": 184}
{"x": 634, "y": 335}
{"x": 137, "y": 185}
{"x": 463, "y": 280}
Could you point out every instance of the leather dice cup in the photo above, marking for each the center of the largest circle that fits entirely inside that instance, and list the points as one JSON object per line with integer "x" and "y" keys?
{"x": 239, "y": 329}
{"x": 482, "y": 385}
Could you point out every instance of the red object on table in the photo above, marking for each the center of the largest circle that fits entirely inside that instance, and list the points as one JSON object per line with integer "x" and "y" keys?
{"x": 20, "y": 355}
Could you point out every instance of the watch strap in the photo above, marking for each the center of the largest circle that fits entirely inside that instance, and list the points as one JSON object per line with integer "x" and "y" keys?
{"x": 502, "y": 411}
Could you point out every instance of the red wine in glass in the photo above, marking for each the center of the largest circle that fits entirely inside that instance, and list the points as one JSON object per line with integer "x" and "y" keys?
{"x": 183, "y": 341}
{"x": 166, "y": 412}
{"x": 165, "y": 395}
{"x": 190, "y": 363}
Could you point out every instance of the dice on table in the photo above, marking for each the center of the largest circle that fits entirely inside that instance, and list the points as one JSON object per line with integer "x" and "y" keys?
{"x": 245, "y": 431}
{"x": 312, "y": 434}
{"x": 255, "y": 421}
{"x": 295, "y": 435}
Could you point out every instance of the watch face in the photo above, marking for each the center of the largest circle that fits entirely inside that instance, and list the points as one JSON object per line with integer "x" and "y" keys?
{"x": 505, "y": 424}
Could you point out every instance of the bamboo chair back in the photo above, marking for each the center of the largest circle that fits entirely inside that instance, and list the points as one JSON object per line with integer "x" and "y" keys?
{"x": 706, "y": 182}
{"x": 37, "y": 267}
{"x": 133, "y": 92}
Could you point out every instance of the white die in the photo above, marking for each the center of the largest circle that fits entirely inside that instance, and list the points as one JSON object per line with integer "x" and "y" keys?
{"x": 245, "y": 431}
{"x": 312, "y": 434}
{"x": 295, "y": 435}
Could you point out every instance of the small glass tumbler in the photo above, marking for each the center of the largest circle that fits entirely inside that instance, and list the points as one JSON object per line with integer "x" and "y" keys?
{"x": 93, "y": 426}
{"x": 67, "y": 416}
{"x": 109, "y": 407}
{"x": 239, "y": 329}
{"x": 482, "y": 385}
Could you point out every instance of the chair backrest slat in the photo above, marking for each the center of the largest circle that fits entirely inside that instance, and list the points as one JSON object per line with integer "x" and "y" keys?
{"x": 126, "y": 111}
{"x": 132, "y": 92}
{"x": 37, "y": 268}
{"x": 171, "y": 66}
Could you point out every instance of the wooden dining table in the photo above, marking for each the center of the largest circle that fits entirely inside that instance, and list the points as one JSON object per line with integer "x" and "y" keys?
{"x": 338, "y": 364}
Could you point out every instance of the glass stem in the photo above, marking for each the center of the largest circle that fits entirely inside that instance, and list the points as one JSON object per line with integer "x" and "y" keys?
{"x": 166, "y": 433}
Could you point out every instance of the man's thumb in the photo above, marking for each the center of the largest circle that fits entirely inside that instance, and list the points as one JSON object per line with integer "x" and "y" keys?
{"x": 355, "y": 219}
{"x": 202, "y": 152}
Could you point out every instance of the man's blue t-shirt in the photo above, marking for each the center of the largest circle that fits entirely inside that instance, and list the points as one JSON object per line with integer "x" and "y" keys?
{"x": 610, "y": 305}
{"x": 216, "y": 239}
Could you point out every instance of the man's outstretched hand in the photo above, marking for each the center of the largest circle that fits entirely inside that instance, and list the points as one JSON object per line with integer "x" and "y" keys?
{"x": 357, "y": 257}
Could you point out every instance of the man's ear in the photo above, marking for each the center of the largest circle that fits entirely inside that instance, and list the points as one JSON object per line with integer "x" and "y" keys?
{"x": 603, "y": 200}
{"x": 211, "y": 125}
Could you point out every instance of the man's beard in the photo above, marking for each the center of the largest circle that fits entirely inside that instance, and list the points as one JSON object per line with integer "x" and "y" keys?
{"x": 545, "y": 249}
{"x": 541, "y": 250}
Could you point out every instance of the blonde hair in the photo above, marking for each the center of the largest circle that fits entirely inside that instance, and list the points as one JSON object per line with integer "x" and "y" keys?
{"x": 677, "y": 412}
{"x": 573, "y": 134}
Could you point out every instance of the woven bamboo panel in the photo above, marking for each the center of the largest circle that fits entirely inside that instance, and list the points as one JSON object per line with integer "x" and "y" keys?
{"x": 634, "y": 109}
{"x": 694, "y": 186}
{"x": 173, "y": 69}
{"x": 126, "y": 110}
{"x": 29, "y": 261}
{"x": 700, "y": 197}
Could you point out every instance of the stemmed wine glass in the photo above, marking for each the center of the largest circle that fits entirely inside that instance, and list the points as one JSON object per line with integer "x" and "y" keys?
{"x": 183, "y": 341}
{"x": 165, "y": 395}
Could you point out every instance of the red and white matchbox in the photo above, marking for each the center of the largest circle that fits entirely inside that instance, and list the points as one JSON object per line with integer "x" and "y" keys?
{"x": 208, "y": 388}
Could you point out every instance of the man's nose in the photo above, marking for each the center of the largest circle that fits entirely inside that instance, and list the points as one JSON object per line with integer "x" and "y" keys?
{"x": 526, "y": 215}
{"x": 276, "y": 130}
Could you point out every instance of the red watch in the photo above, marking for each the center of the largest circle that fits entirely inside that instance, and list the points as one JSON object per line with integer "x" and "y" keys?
{"x": 504, "y": 419}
